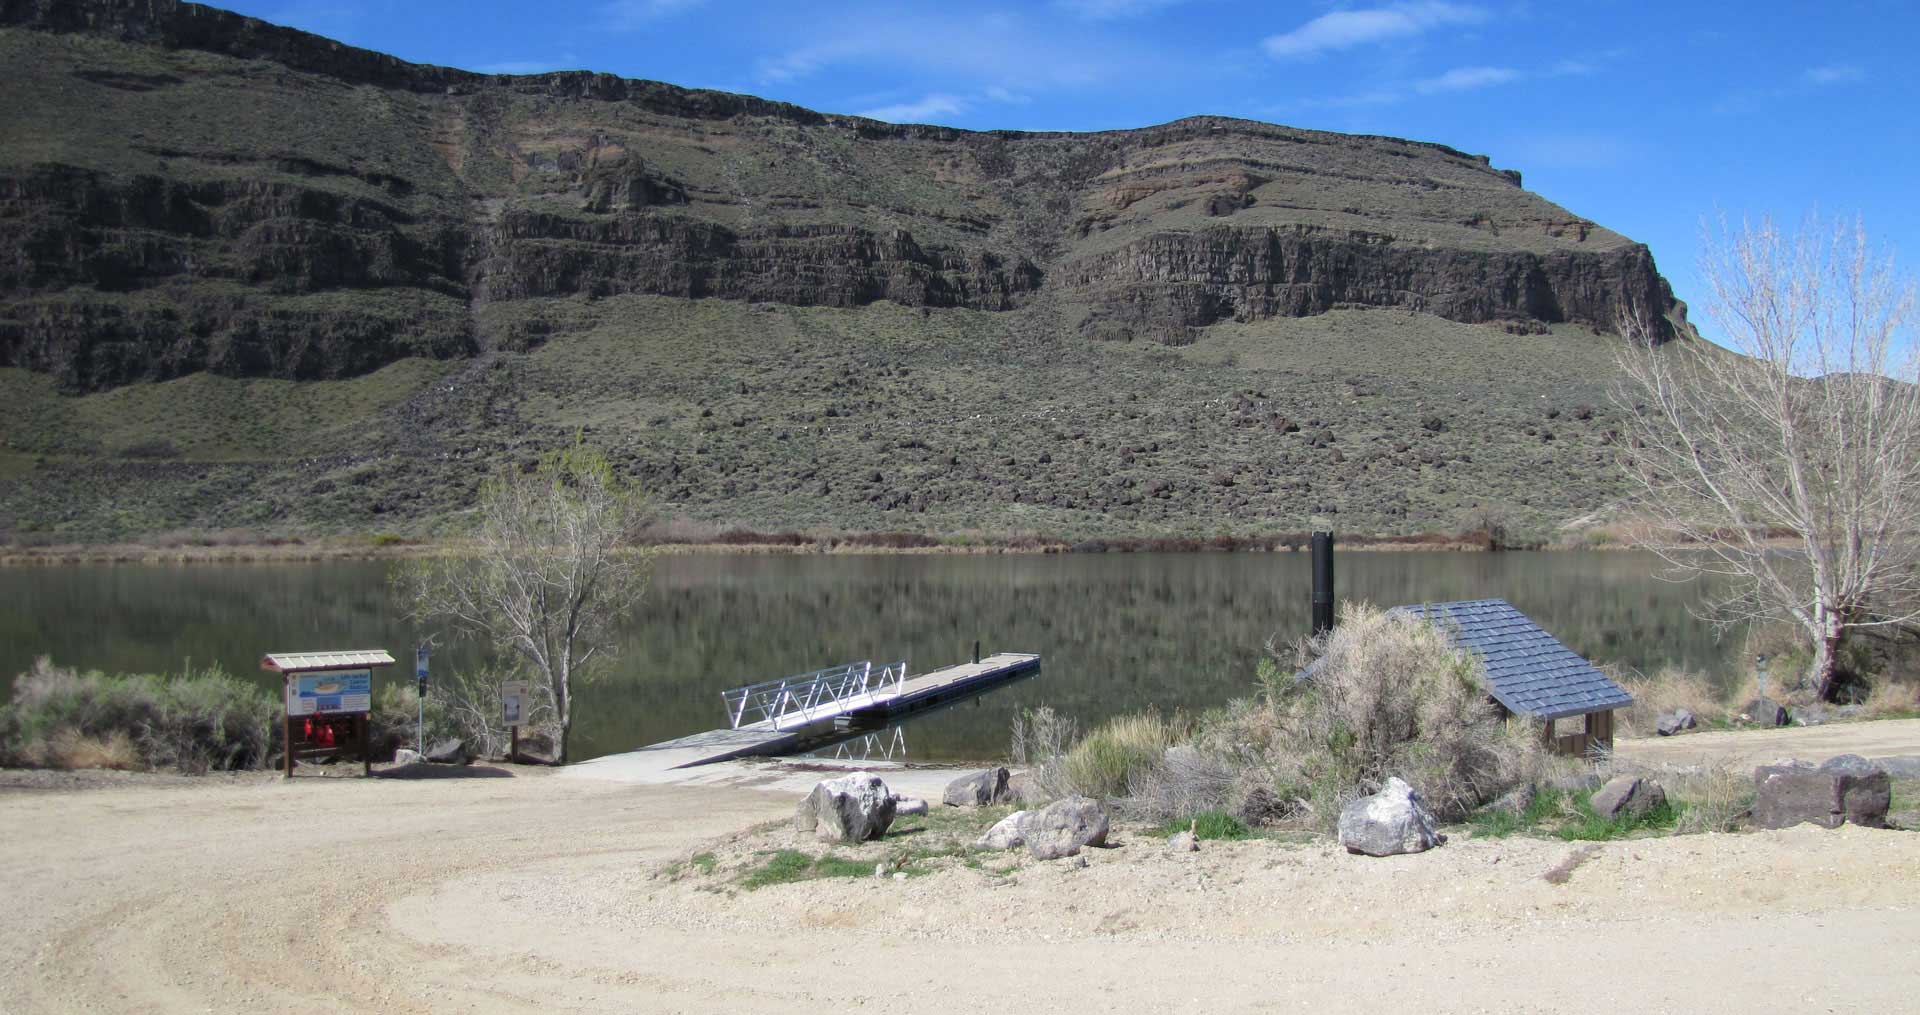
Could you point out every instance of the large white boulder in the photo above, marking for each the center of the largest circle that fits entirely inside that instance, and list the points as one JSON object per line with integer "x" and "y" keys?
{"x": 1389, "y": 822}
{"x": 852, "y": 808}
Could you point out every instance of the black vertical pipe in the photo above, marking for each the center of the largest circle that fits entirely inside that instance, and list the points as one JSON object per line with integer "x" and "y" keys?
{"x": 1322, "y": 582}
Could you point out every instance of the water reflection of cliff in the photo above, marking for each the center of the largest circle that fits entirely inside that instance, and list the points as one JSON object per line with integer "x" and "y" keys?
{"x": 1118, "y": 632}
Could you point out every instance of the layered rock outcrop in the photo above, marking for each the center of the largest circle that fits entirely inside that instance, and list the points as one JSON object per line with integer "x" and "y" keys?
{"x": 193, "y": 189}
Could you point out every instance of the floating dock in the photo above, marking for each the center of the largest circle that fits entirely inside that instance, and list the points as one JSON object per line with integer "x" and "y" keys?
{"x": 777, "y": 736}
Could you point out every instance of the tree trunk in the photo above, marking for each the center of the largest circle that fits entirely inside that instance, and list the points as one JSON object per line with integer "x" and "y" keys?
{"x": 1826, "y": 654}
{"x": 563, "y": 703}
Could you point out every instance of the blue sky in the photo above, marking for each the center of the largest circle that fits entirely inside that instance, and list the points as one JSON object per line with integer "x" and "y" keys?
{"x": 1641, "y": 116}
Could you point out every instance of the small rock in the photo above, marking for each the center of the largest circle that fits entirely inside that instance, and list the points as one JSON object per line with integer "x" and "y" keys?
{"x": 1675, "y": 722}
{"x": 979, "y": 789}
{"x": 1628, "y": 794}
{"x": 852, "y": 808}
{"x": 1079, "y": 863}
{"x": 899, "y": 875}
{"x": 909, "y": 806}
{"x": 1006, "y": 833}
{"x": 1765, "y": 712}
{"x": 1061, "y": 828}
{"x": 406, "y": 756}
{"x": 1262, "y": 806}
{"x": 449, "y": 752}
{"x": 1901, "y": 766}
{"x": 1183, "y": 842}
{"x": 1389, "y": 822}
{"x": 1515, "y": 801}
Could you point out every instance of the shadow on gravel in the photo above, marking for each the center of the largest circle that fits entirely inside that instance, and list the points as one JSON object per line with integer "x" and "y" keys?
{"x": 423, "y": 770}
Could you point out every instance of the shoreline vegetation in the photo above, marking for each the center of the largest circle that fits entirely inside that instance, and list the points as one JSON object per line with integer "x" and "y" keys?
{"x": 252, "y": 547}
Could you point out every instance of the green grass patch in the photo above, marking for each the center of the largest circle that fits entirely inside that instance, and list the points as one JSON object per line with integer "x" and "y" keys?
{"x": 1562, "y": 814}
{"x": 790, "y": 865}
{"x": 706, "y": 862}
{"x": 1210, "y": 825}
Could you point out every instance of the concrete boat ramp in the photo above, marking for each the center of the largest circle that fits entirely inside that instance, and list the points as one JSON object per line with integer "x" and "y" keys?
{"x": 789, "y": 726}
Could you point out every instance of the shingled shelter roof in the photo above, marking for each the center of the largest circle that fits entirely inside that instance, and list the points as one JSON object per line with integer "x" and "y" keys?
{"x": 1528, "y": 670}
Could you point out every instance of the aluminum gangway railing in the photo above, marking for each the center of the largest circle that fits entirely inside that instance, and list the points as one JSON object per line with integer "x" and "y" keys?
{"x": 809, "y": 697}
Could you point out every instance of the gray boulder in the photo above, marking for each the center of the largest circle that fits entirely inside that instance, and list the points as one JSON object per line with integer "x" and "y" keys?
{"x": 448, "y": 752}
{"x": 1766, "y": 712}
{"x": 1843, "y": 789}
{"x": 1628, "y": 795}
{"x": 406, "y": 756}
{"x": 1902, "y": 766}
{"x": 1675, "y": 722}
{"x": 908, "y": 806}
{"x": 980, "y": 789}
{"x": 1514, "y": 801}
{"x": 1063, "y": 827}
{"x": 1006, "y": 833}
{"x": 1183, "y": 842}
{"x": 852, "y": 808}
{"x": 1389, "y": 822}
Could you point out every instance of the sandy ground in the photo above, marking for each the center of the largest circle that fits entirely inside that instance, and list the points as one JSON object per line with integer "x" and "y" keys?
{"x": 531, "y": 891}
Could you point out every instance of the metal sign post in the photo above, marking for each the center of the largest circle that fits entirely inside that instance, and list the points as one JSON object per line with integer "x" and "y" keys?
{"x": 513, "y": 712}
{"x": 420, "y": 696}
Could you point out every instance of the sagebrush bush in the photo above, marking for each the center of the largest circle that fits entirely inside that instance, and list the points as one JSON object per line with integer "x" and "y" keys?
{"x": 192, "y": 722}
{"x": 1386, "y": 695}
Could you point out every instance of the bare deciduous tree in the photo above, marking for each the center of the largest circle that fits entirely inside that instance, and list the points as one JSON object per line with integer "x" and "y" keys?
{"x": 1788, "y": 463}
{"x": 546, "y": 576}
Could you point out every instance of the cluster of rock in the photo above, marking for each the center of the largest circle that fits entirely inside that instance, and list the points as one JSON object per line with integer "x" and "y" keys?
{"x": 1764, "y": 711}
{"x": 1675, "y": 723}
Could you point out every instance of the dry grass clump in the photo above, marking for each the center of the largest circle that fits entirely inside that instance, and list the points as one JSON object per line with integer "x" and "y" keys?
{"x": 1103, "y": 764}
{"x": 1890, "y": 698}
{"x": 1715, "y": 798}
{"x": 1667, "y": 689}
{"x": 68, "y": 748}
{"x": 192, "y": 722}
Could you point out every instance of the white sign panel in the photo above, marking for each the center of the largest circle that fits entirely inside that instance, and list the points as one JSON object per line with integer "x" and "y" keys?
{"x": 513, "y": 702}
{"x": 338, "y": 691}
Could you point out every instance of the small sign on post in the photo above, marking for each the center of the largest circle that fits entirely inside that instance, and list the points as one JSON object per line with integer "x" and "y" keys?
{"x": 513, "y": 712}
{"x": 420, "y": 668}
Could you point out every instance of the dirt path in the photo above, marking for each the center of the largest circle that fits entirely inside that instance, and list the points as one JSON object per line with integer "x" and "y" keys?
{"x": 1876, "y": 739}
{"x": 539, "y": 893}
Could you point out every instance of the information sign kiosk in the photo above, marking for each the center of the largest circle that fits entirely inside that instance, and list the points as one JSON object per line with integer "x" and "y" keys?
{"x": 329, "y": 696}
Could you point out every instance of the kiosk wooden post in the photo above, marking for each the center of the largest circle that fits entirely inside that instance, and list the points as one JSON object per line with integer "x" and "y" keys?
{"x": 328, "y": 699}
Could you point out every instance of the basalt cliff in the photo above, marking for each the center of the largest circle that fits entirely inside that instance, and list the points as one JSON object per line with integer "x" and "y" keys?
{"x": 187, "y": 194}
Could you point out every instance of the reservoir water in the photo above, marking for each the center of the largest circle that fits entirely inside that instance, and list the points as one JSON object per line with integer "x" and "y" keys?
{"x": 1118, "y": 632}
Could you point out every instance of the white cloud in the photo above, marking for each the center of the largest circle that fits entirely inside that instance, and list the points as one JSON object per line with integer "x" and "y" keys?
{"x": 1345, "y": 29}
{"x": 1466, "y": 79}
{"x": 1008, "y": 96}
{"x": 1113, "y": 10}
{"x": 1834, "y": 74}
{"x": 923, "y": 110}
{"x": 627, "y": 15}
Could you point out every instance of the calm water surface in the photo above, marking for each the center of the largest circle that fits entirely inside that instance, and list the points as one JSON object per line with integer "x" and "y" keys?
{"x": 1117, "y": 632}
